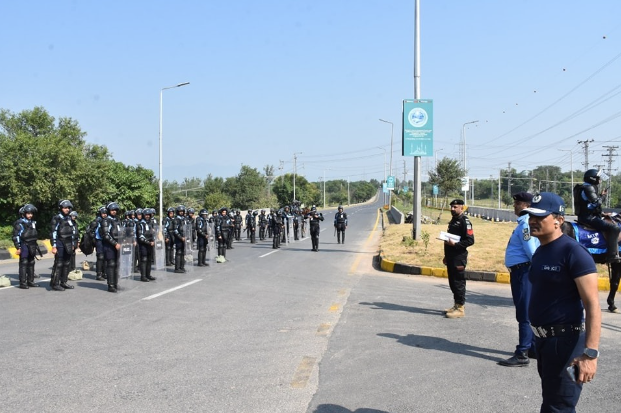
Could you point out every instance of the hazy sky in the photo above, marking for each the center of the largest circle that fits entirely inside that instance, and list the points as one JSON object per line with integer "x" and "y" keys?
{"x": 272, "y": 78}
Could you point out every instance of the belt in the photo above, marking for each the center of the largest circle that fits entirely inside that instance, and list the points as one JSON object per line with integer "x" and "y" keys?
{"x": 559, "y": 330}
{"x": 518, "y": 266}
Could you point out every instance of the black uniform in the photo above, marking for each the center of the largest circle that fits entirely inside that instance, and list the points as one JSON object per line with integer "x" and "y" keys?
{"x": 224, "y": 226}
{"x": 169, "y": 238}
{"x": 62, "y": 238}
{"x": 276, "y": 225}
{"x": 314, "y": 218}
{"x": 263, "y": 221}
{"x": 456, "y": 256}
{"x": 94, "y": 229}
{"x": 238, "y": 225}
{"x": 111, "y": 231}
{"x": 340, "y": 223}
{"x": 202, "y": 233}
{"x": 251, "y": 226}
{"x": 25, "y": 240}
{"x": 179, "y": 233}
{"x": 146, "y": 234}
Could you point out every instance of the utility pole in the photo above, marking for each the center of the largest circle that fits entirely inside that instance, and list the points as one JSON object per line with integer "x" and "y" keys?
{"x": 280, "y": 168}
{"x": 611, "y": 153}
{"x": 509, "y": 180}
{"x": 585, "y": 148}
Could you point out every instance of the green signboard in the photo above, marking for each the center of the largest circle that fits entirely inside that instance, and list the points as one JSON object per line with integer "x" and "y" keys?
{"x": 417, "y": 128}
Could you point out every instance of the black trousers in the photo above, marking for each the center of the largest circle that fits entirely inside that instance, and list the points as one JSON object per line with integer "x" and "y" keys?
{"x": 457, "y": 282}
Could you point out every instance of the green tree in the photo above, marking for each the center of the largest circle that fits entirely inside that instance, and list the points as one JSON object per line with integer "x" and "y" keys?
{"x": 447, "y": 176}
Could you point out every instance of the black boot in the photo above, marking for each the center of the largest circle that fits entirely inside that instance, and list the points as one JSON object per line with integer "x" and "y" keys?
{"x": 110, "y": 275}
{"x": 201, "y": 258}
{"x": 30, "y": 275}
{"x": 143, "y": 272}
{"x": 178, "y": 258}
{"x": 23, "y": 273}
{"x": 519, "y": 359}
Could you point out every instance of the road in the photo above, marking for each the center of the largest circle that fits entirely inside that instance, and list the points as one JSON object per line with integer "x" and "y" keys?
{"x": 286, "y": 330}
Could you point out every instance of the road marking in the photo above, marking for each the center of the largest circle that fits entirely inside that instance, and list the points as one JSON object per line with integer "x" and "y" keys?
{"x": 171, "y": 290}
{"x": 334, "y": 308}
{"x": 354, "y": 266}
{"x": 303, "y": 372}
{"x": 265, "y": 255}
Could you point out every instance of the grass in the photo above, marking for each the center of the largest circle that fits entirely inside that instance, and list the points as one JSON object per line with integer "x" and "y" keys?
{"x": 487, "y": 253}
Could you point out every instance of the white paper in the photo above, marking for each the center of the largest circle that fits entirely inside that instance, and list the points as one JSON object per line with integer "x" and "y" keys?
{"x": 445, "y": 236}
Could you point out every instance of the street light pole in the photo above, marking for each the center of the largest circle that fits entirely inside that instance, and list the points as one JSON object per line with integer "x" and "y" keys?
{"x": 390, "y": 169}
{"x": 324, "y": 189}
{"x": 384, "y": 149}
{"x": 295, "y": 170}
{"x": 463, "y": 137}
{"x": 160, "y": 139}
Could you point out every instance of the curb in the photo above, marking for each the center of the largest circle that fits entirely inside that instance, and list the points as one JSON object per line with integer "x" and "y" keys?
{"x": 499, "y": 277}
{"x": 9, "y": 253}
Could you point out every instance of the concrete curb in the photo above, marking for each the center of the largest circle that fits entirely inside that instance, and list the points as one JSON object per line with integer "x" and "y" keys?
{"x": 499, "y": 277}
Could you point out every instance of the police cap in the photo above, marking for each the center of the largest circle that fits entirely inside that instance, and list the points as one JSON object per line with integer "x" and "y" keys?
{"x": 457, "y": 202}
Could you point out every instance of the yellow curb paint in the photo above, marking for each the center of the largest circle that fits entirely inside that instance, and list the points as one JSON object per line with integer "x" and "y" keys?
{"x": 503, "y": 277}
{"x": 13, "y": 252}
{"x": 439, "y": 272}
{"x": 334, "y": 308}
{"x": 426, "y": 271}
{"x": 354, "y": 266}
{"x": 48, "y": 245}
{"x": 303, "y": 372}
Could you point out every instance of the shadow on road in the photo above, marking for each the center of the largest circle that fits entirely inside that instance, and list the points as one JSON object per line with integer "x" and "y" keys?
{"x": 442, "y": 344}
{"x": 333, "y": 408}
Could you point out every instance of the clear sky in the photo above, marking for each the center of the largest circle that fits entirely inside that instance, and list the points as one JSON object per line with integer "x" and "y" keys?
{"x": 272, "y": 78}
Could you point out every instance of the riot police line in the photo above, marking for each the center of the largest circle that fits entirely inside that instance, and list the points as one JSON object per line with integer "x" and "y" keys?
{"x": 134, "y": 243}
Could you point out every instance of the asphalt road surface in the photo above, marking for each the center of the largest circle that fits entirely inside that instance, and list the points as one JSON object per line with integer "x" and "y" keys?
{"x": 286, "y": 330}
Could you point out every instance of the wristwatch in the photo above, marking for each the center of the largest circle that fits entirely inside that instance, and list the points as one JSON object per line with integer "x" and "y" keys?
{"x": 591, "y": 353}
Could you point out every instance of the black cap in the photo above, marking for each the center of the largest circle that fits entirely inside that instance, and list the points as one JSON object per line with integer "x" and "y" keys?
{"x": 523, "y": 197}
{"x": 457, "y": 202}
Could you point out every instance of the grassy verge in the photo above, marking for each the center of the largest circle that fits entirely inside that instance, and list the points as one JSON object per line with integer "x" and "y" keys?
{"x": 487, "y": 253}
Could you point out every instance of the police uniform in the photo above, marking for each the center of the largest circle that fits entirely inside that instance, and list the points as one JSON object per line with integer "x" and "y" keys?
{"x": 340, "y": 223}
{"x": 145, "y": 234}
{"x": 25, "y": 241}
{"x": 518, "y": 255}
{"x": 456, "y": 258}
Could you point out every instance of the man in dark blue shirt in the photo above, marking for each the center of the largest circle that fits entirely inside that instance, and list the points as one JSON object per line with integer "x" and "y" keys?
{"x": 564, "y": 286}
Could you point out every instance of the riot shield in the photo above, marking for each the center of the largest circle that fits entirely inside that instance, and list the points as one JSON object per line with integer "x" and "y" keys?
{"x": 190, "y": 253}
{"x": 212, "y": 248}
{"x": 126, "y": 259}
{"x": 289, "y": 230}
{"x": 159, "y": 250}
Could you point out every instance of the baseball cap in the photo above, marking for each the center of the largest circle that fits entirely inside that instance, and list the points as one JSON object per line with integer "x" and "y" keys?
{"x": 544, "y": 204}
{"x": 523, "y": 197}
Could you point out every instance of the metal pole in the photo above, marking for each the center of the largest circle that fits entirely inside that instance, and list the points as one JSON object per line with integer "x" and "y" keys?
{"x": 571, "y": 165}
{"x": 160, "y": 139}
{"x": 383, "y": 193}
{"x": 416, "y": 193}
{"x": 324, "y": 189}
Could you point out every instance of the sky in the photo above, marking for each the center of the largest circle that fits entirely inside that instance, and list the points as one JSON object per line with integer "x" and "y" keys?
{"x": 274, "y": 79}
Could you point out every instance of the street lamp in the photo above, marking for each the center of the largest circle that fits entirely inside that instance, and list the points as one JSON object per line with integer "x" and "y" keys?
{"x": 384, "y": 149}
{"x": 161, "y": 191}
{"x": 463, "y": 136}
{"x": 390, "y": 169}
{"x": 436, "y": 152}
{"x": 324, "y": 188}
{"x": 295, "y": 170}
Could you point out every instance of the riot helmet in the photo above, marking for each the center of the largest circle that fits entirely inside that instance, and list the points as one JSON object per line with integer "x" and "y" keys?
{"x": 113, "y": 206}
{"x": 190, "y": 211}
{"x": 73, "y": 214}
{"x": 203, "y": 212}
{"x": 169, "y": 210}
{"x": 592, "y": 176}
{"x": 180, "y": 208}
{"x": 28, "y": 208}
{"x": 129, "y": 213}
{"x": 139, "y": 211}
{"x": 340, "y": 208}
{"x": 65, "y": 203}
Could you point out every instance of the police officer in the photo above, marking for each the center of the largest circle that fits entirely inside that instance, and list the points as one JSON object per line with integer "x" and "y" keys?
{"x": 247, "y": 220}
{"x": 111, "y": 231}
{"x": 314, "y": 218}
{"x": 169, "y": 238}
{"x": 251, "y": 226}
{"x": 62, "y": 240}
{"x": 340, "y": 223}
{"x": 138, "y": 215}
{"x": 94, "y": 228}
{"x": 589, "y": 211}
{"x": 262, "y": 225}
{"x": 456, "y": 257}
{"x": 25, "y": 242}
{"x": 238, "y": 225}
{"x": 564, "y": 307}
{"x": 179, "y": 233}
{"x": 295, "y": 212}
{"x": 224, "y": 226}
{"x": 146, "y": 233}
{"x": 276, "y": 224}
{"x": 191, "y": 219}
{"x": 76, "y": 238}
{"x": 202, "y": 232}
{"x": 286, "y": 219}
{"x": 518, "y": 256}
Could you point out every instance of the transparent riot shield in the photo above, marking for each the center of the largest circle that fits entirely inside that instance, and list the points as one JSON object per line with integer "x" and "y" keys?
{"x": 289, "y": 230}
{"x": 126, "y": 259}
{"x": 212, "y": 248}
{"x": 159, "y": 250}
{"x": 190, "y": 253}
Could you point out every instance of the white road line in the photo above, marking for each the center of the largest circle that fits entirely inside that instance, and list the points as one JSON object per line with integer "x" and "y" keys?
{"x": 265, "y": 255}
{"x": 172, "y": 289}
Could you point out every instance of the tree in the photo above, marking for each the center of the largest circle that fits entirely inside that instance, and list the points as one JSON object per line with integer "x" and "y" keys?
{"x": 447, "y": 176}
{"x": 247, "y": 189}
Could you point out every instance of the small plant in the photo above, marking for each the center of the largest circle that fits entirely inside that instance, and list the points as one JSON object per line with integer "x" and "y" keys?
{"x": 425, "y": 237}
{"x": 410, "y": 242}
